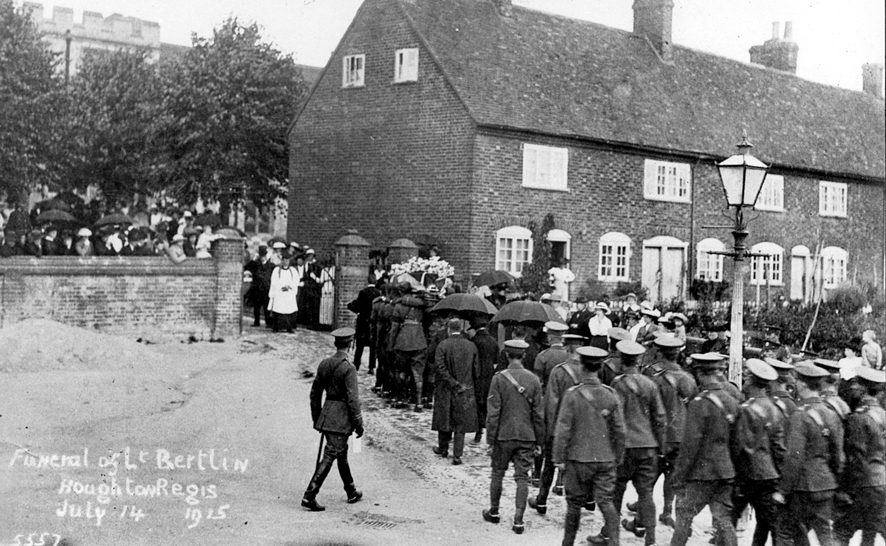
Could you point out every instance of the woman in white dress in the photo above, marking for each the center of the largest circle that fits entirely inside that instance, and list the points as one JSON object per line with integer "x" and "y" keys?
{"x": 283, "y": 295}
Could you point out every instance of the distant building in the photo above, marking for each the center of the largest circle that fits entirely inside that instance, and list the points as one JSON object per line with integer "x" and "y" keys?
{"x": 468, "y": 121}
{"x": 97, "y": 35}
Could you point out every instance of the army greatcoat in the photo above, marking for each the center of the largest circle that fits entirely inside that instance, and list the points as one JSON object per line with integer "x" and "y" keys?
{"x": 455, "y": 406}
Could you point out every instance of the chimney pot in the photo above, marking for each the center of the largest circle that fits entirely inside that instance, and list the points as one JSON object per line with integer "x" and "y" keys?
{"x": 776, "y": 30}
{"x": 788, "y": 30}
{"x": 872, "y": 79}
{"x": 653, "y": 19}
{"x": 777, "y": 53}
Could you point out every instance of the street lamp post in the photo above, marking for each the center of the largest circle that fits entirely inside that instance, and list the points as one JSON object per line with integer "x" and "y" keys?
{"x": 742, "y": 176}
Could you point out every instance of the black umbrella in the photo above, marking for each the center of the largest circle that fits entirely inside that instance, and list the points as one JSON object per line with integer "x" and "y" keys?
{"x": 53, "y": 216}
{"x": 493, "y": 277}
{"x": 54, "y": 204}
{"x": 114, "y": 219}
{"x": 465, "y": 303}
{"x": 526, "y": 312}
{"x": 69, "y": 197}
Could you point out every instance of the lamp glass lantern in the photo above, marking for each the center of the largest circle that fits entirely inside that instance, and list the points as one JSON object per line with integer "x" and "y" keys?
{"x": 743, "y": 176}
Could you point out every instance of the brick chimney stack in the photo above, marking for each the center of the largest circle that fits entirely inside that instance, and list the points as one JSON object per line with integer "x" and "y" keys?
{"x": 778, "y": 53}
{"x": 504, "y": 7}
{"x": 872, "y": 79}
{"x": 653, "y": 20}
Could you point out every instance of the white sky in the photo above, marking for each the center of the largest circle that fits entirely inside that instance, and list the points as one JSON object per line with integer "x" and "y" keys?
{"x": 835, "y": 37}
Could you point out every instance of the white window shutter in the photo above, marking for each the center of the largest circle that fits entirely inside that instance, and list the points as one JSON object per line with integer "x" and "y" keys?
{"x": 411, "y": 69}
{"x": 344, "y": 71}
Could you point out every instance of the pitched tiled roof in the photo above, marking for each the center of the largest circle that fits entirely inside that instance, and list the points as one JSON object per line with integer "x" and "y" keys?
{"x": 546, "y": 73}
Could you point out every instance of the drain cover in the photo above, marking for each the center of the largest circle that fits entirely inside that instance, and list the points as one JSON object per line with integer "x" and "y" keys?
{"x": 380, "y": 521}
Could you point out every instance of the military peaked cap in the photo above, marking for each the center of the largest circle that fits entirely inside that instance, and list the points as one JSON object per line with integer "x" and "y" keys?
{"x": 591, "y": 353}
{"x": 809, "y": 369}
{"x": 630, "y": 348}
{"x": 870, "y": 374}
{"x": 761, "y": 369}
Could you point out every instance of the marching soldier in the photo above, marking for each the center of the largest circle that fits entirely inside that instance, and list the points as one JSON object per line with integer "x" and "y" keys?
{"x": 759, "y": 452}
{"x": 377, "y": 333}
{"x": 644, "y": 439}
{"x": 829, "y": 387}
{"x": 784, "y": 386}
{"x": 564, "y": 376}
{"x": 703, "y": 474}
{"x": 814, "y": 460}
{"x": 588, "y": 447}
{"x": 554, "y": 355}
{"x": 514, "y": 430}
{"x": 864, "y": 481}
{"x": 410, "y": 346}
{"x": 339, "y": 416}
{"x": 676, "y": 387}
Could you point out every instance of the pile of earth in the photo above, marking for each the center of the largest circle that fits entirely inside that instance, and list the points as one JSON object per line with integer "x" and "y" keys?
{"x": 40, "y": 345}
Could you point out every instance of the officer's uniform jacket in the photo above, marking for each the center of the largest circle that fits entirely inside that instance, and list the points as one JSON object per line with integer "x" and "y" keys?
{"x": 547, "y": 359}
{"x": 409, "y": 314}
{"x": 865, "y": 444}
{"x": 590, "y": 426}
{"x": 705, "y": 454}
{"x": 759, "y": 439}
{"x": 512, "y": 415}
{"x": 340, "y": 412}
{"x": 814, "y": 455}
{"x": 645, "y": 418}
{"x": 677, "y": 388}
{"x": 563, "y": 377}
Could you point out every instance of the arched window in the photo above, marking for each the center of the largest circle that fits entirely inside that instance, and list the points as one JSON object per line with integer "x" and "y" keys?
{"x": 768, "y": 269}
{"x": 615, "y": 255}
{"x": 833, "y": 266}
{"x": 513, "y": 249}
{"x": 710, "y": 266}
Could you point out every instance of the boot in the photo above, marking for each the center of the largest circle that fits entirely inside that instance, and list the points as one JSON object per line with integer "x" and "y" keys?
{"x": 518, "y": 526}
{"x": 540, "y": 508}
{"x": 441, "y": 451}
{"x": 490, "y": 516}
{"x": 477, "y": 437}
{"x": 570, "y": 525}
{"x": 353, "y": 494}
{"x": 631, "y": 525}
{"x": 309, "y": 500}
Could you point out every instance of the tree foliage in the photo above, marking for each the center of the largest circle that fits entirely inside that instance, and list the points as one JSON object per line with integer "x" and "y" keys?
{"x": 30, "y": 103}
{"x": 535, "y": 275}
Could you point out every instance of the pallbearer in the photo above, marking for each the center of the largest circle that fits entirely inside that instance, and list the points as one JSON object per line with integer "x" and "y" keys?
{"x": 339, "y": 416}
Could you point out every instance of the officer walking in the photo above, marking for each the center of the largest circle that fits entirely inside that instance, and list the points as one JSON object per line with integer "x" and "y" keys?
{"x": 759, "y": 453}
{"x": 563, "y": 377}
{"x": 677, "y": 387}
{"x": 514, "y": 430}
{"x": 644, "y": 439}
{"x": 588, "y": 447}
{"x": 339, "y": 416}
{"x": 864, "y": 480}
{"x": 814, "y": 460}
{"x": 704, "y": 473}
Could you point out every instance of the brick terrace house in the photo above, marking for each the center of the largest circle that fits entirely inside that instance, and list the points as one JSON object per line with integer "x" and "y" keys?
{"x": 467, "y": 119}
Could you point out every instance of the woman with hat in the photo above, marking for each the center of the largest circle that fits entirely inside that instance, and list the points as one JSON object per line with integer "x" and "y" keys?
{"x": 83, "y": 246}
{"x": 283, "y": 295}
{"x": 599, "y": 326}
{"x": 175, "y": 252}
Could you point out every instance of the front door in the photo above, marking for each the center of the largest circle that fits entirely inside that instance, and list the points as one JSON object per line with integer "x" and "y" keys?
{"x": 664, "y": 268}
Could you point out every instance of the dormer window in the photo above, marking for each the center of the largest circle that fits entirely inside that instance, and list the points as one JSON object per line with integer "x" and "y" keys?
{"x": 352, "y": 70}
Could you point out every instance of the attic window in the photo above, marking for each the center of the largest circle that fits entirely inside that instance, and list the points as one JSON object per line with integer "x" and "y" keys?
{"x": 406, "y": 65}
{"x": 664, "y": 181}
{"x": 832, "y": 199}
{"x": 352, "y": 70}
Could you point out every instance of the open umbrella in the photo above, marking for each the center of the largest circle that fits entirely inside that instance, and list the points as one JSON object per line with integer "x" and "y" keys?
{"x": 53, "y": 216}
{"x": 54, "y": 204}
{"x": 493, "y": 277}
{"x": 465, "y": 303}
{"x": 526, "y": 312}
{"x": 114, "y": 219}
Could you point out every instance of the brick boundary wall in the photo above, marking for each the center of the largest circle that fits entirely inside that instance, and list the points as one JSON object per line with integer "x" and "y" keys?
{"x": 148, "y": 297}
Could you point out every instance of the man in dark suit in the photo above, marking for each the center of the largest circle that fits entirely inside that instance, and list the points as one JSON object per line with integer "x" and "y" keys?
{"x": 336, "y": 419}
{"x": 362, "y": 306}
{"x": 455, "y": 409}
{"x": 487, "y": 352}
{"x": 578, "y": 322}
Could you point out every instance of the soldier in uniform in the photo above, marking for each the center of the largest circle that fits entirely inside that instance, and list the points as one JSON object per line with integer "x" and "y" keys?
{"x": 677, "y": 387}
{"x": 784, "y": 386}
{"x": 564, "y": 376}
{"x": 589, "y": 442}
{"x": 514, "y": 430}
{"x": 410, "y": 346}
{"x": 455, "y": 409}
{"x": 864, "y": 481}
{"x": 703, "y": 473}
{"x": 645, "y": 421}
{"x": 759, "y": 451}
{"x": 336, "y": 418}
{"x": 362, "y": 306}
{"x": 554, "y": 355}
{"x": 813, "y": 462}
{"x": 377, "y": 332}
{"x": 830, "y": 386}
